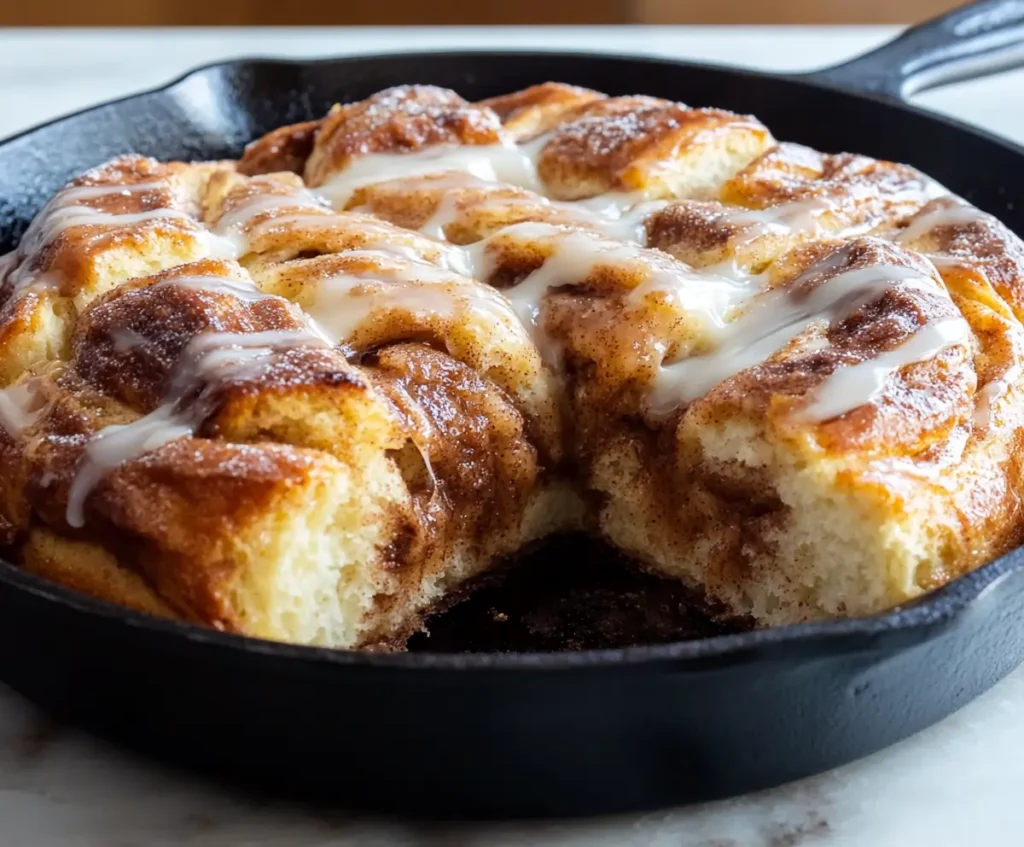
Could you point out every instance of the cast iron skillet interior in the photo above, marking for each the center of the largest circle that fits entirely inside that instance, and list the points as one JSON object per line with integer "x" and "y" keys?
{"x": 588, "y": 689}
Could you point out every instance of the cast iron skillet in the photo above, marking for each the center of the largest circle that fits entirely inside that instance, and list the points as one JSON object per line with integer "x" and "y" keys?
{"x": 531, "y": 733}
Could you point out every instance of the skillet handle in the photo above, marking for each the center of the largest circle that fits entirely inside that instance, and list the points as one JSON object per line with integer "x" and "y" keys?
{"x": 976, "y": 40}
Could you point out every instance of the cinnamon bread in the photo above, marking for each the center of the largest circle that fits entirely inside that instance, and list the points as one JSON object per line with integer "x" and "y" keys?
{"x": 307, "y": 395}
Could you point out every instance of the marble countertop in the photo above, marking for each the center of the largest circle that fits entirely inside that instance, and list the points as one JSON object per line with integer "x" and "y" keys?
{"x": 954, "y": 785}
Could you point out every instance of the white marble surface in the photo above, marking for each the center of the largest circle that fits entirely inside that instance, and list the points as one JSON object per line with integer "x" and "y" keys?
{"x": 955, "y": 785}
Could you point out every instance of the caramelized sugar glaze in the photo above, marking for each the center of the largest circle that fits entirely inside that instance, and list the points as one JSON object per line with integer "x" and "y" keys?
{"x": 309, "y": 394}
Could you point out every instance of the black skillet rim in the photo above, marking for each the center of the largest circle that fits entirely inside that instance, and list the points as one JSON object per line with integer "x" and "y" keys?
{"x": 936, "y": 609}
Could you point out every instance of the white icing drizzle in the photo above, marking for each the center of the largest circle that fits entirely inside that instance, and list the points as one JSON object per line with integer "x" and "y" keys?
{"x": 74, "y": 216}
{"x": 945, "y": 216}
{"x": 450, "y": 182}
{"x": 20, "y": 407}
{"x": 933, "y": 189}
{"x": 944, "y": 262}
{"x": 783, "y": 219}
{"x": 799, "y": 216}
{"x": 74, "y": 194}
{"x": 411, "y": 268}
{"x": 210, "y": 359}
{"x": 67, "y": 210}
{"x": 575, "y": 257}
{"x": 7, "y": 263}
{"x": 344, "y": 302}
{"x": 623, "y": 216}
{"x": 618, "y": 215}
{"x": 615, "y": 214}
{"x": 446, "y": 212}
{"x": 706, "y": 296}
{"x": 854, "y": 385}
{"x": 504, "y": 162}
{"x": 259, "y": 204}
{"x": 311, "y": 220}
{"x": 232, "y": 225}
{"x": 771, "y": 322}
{"x": 239, "y": 288}
{"x": 376, "y": 235}
{"x": 126, "y": 338}
{"x": 990, "y": 395}
{"x": 226, "y": 356}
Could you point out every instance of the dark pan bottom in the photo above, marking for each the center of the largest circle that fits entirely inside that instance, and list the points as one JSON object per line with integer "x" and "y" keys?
{"x": 574, "y": 593}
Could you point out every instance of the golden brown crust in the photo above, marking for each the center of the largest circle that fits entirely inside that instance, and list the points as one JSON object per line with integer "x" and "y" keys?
{"x": 284, "y": 150}
{"x": 297, "y": 224}
{"x": 71, "y": 256}
{"x": 92, "y": 570}
{"x": 962, "y": 240}
{"x": 863, "y": 191}
{"x": 129, "y": 343}
{"x": 130, "y": 217}
{"x": 539, "y": 108}
{"x": 471, "y": 210}
{"x": 401, "y": 119}
{"x": 922, "y": 403}
{"x": 634, "y": 144}
{"x": 178, "y": 498}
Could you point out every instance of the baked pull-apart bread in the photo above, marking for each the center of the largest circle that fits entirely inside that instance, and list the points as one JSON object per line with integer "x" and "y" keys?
{"x": 308, "y": 395}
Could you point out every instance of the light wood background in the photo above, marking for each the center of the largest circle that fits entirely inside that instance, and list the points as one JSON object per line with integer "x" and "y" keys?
{"x": 789, "y": 11}
{"x": 339, "y": 12}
